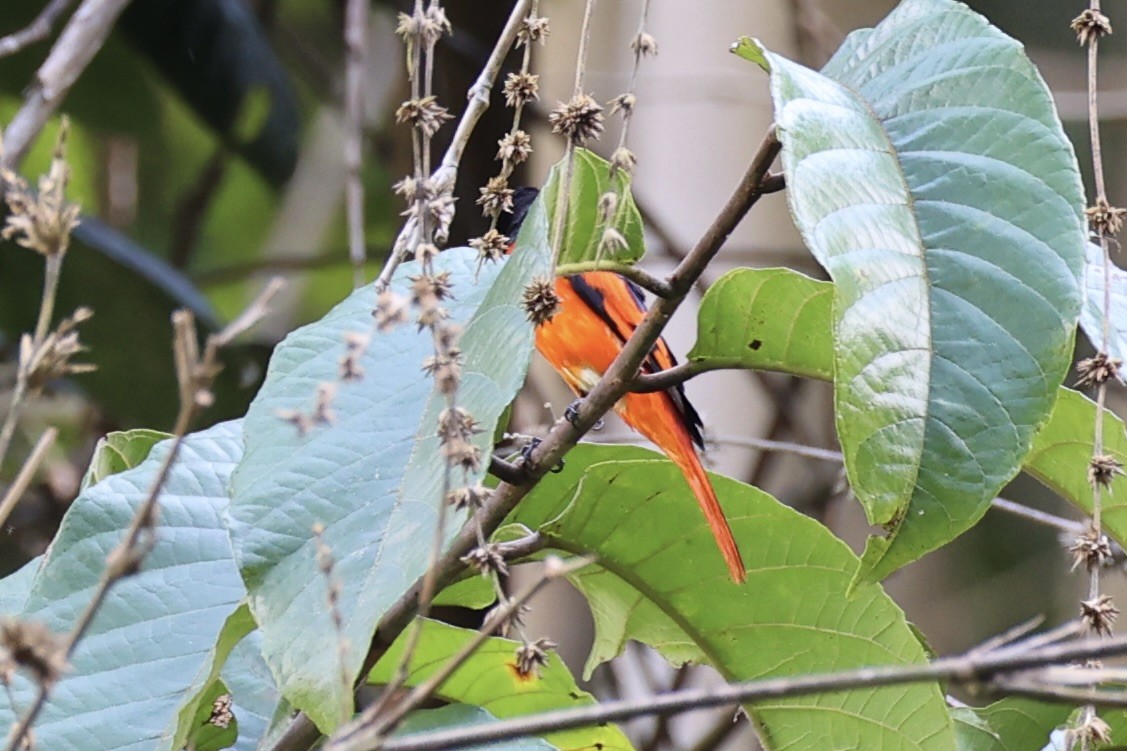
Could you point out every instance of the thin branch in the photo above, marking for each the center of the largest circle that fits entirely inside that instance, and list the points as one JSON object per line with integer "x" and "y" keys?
{"x": 357, "y": 14}
{"x": 506, "y": 471}
{"x": 968, "y": 669}
{"x": 83, "y": 36}
{"x": 27, "y": 472}
{"x": 447, "y": 172}
{"x": 35, "y": 31}
{"x": 1036, "y": 515}
{"x": 640, "y": 277}
{"x": 125, "y": 559}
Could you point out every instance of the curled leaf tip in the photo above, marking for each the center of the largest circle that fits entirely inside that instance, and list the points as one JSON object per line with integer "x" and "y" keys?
{"x": 751, "y": 49}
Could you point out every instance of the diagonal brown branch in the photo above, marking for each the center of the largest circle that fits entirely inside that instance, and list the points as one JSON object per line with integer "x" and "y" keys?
{"x": 302, "y": 734}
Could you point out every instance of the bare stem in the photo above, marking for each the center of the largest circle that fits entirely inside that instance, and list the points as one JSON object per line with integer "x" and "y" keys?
{"x": 356, "y": 43}
{"x": 35, "y": 31}
{"x": 988, "y": 670}
{"x": 20, "y": 485}
{"x": 80, "y": 40}
{"x": 446, "y": 174}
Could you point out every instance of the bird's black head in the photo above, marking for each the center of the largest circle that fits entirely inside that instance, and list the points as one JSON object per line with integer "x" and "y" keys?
{"x": 509, "y": 223}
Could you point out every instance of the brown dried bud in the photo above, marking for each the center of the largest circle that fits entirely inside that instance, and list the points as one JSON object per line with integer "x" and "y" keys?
{"x": 33, "y": 647}
{"x": 623, "y": 103}
{"x": 579, "y": 120}
{"x": 1103, "y": 469}
{"x": 323, "y": 406}
{"x": 612, "y": 241}
{"x": 435, "y": 24}
{"x": 1090, "y": 550}
{"x": 297, "y": 418}
{"x": 486, "y": 560}
{"x": 644, "y": 45}
{"x": 531, "y": 657}
{"x": 461, "y": 453}
{"x": 470, "y": 496}
{"x": 391, "y": 309}
{"x": 1099, "y": 614}
{"x": 533, "y": 29}
{"x": 409, "y": 27}
{"x": 496, "y": 197}
{"x": 521, "y": 88}
{"x": 1104, "y": 219}
{"x": 221, "y": 714}
{"x": 540, "y": 301}
{"x": 516, "y": 618}
{"x": 491, "y": 246}
{"x": 44, "y": 220}
{"x": 622, "y": 159}
{"x": 426, "y": 114}
{"x": 1089, "y": 732}
{"x": 1090, "y": 25}
{"x": 515, "y": 147}
{"x": 1097, "y": 370}
{"x": 457, "y": 423}
{"x": 355, "y": 345}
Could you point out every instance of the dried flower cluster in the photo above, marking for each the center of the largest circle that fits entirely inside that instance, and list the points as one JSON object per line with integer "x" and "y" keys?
{"x": 42, "y": 221}
{"x": 1097, "y": 370}
{"x": 520, "y": 88}
{"x": 1099, "y": 614}
{"x": 52, "y": 357}
{"x": 1090, "y": 25}
{"x": 32, "y": 646}
{"x": 1104, "y": 219}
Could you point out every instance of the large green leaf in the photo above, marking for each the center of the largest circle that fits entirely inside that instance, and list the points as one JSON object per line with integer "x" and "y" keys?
{"x": 660, "y": 580}
{"x": 583, "y": 233}
{"x": 931, "y": 177}
{"x": 149, "y": 647}
{"x": 766, "y": 301}
{"x": 768, "y": 319}
{"x": 489, "y": 679}
{"x": 374, "y": 478}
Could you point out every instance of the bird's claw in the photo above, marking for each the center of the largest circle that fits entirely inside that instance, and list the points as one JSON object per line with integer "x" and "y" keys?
{"x": 528, "y": 448}
{"x": 571, "y": 414}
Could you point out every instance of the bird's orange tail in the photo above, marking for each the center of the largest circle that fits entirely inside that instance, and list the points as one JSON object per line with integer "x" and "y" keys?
{"x": 695, "y": 475}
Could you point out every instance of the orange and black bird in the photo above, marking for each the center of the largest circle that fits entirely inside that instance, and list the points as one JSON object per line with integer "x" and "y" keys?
{"x": 599, "y": 310}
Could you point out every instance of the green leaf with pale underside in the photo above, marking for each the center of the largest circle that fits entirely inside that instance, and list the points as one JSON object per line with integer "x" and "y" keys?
{"x": 929, "y": 173}
{"x": 374, "y": 478}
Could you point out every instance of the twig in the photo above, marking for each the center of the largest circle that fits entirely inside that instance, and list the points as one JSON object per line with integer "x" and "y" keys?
{"x": 356, "y": 19}
{"x": 83, "y": 36}
{"x": 35, "y": 31}
{"x": 447, "y": 172}
{"x": 27, "y": 472}
{"x": 370, "y": 727}
{"x": 1036, "y": 515}
{"x": 635, "y": 274}
{"x": 126, "y": 557}
{"x": 967, "y": 669}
